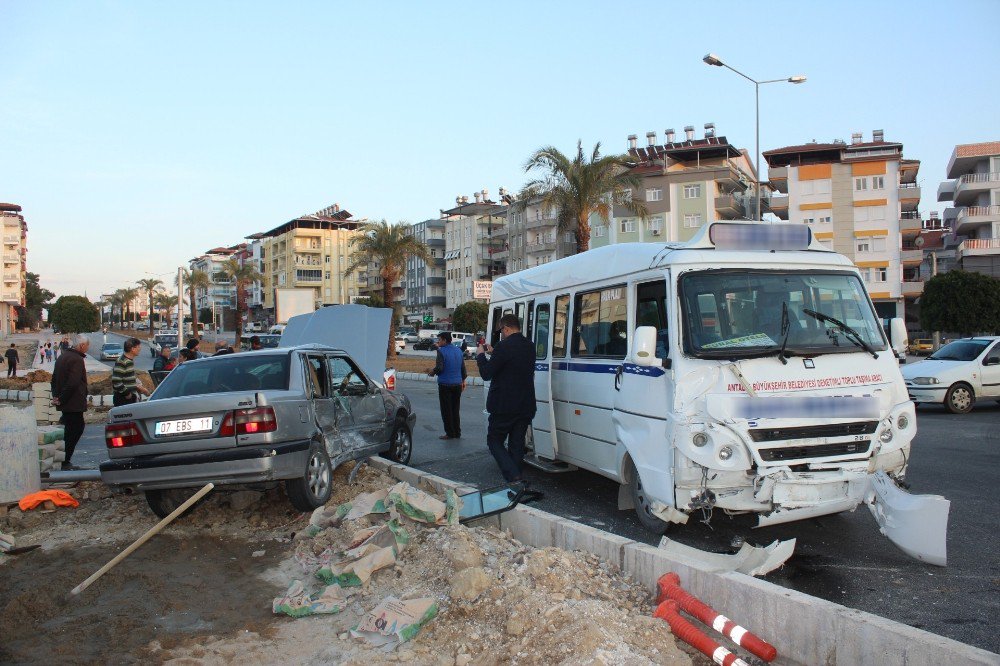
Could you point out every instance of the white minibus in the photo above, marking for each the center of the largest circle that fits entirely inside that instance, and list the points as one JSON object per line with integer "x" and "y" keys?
{"x": 745, "y": 370}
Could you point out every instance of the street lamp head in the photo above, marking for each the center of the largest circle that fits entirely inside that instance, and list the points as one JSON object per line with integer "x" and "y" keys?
{"x": 798, "y": 78}
{"x": 712, "y": 59}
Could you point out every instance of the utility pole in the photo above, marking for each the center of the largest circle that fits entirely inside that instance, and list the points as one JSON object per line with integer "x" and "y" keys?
{"x": 937, "y": 334}
{"x": 180, "y": 305}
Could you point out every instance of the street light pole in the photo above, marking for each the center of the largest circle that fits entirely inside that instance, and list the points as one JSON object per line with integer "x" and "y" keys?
{"x": 715, "y": 61}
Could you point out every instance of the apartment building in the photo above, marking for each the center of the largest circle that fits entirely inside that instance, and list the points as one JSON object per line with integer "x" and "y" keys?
{"x": 251, "y": 255}
{"x": 311, "y": 252}
{"x": 425, "y": 281}
{"x": 685, "y": 185}
{"x": 220, "y": 294}
{"x": 472, "y": 245}
{"x": 861, "y": 200}
{"x": 973, "y": 187}
{"x": 532, "y": 237}
{"x": 14, "y": 258}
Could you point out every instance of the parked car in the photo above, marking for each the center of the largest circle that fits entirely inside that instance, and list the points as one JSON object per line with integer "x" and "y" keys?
{"x": 267, "y": 341}
{"x": 400, "y": 343}
{"x": 142, "y": 326}
{"x": 922, "y": 346}
{"x": 424, "y": 344}
{"x": 957, "y": 375}
{"x": 111, "y": 351}
{"x": 287, "y": 414}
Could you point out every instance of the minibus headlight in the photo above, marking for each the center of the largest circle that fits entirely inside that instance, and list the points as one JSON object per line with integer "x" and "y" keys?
{"x": 885, "y": 436}
{"x": 700, "y": 439}
{"x": 725, "y": 453}
{"x": 902, "y": 421}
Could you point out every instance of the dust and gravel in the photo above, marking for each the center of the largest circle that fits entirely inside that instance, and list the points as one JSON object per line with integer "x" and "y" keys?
{"x": 196, "y": 594}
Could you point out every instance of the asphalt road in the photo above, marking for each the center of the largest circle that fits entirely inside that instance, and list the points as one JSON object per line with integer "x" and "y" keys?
{"x": 841, "y": 558}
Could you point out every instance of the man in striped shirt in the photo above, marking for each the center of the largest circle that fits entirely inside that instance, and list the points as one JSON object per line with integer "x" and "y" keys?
{"x": 123, "y": 381}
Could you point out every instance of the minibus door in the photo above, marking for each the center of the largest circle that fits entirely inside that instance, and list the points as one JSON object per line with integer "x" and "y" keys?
{"x": 543, "y": 426}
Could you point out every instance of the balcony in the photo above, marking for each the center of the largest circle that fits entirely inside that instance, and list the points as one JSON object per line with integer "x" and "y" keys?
{"x": 434, "y": 242}
{"x": 779, "y": 178}
{"x": 308, "y": 247}
{"x": 487, "y": 237}
{"x": 971, "y": 185}
{"x": 431, "y": 281}
{"x": 913, "y": 287}
{"x": 540, "y": 247}
{"x": 500, "y": 232}
{"x": 541, "y": 222}
{"x": 910, "y": 224}
{"x": 12, "y": 257}
{"x": 908, "y": 171}
{"x": 730, "y": 207}
{"x": 12, "y": 239}
{"x": 946, "y": 191}
{"x": 911, "y": 257}
{"x": 972, "y": 217}
{"x": 11, "y": 277}
{"x": 978, "y": 247}
{"x": 909, "y": 196}
{"x": 500, "y": 255}
{"x": 779, "y": 206}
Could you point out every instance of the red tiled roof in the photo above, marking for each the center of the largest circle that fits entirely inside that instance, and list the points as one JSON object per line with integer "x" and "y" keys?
{"x": 10, "y": 208}
{"x": 814, "y": 147}
{"x": 968, "y": 150}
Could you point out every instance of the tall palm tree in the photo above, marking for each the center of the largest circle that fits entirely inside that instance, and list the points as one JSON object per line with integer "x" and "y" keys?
{"x": 194, "y": 280}
{"x": 579, "y": 187}
{"x": 242, "y": 275}
{"x": 388, "y": 246}
{"x": 149, "y": 285}
{"x": 128, "y": 295}
{"x": 116, "y": 302}
{"x": 163, "y": 301}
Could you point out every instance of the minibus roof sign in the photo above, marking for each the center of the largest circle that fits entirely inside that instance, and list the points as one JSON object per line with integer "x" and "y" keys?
{"x": 760, "y": 237}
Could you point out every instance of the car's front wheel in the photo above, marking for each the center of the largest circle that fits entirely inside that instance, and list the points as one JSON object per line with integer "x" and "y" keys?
{"x": 312, "y": 489}
{"x": 400, "y": 444}
{"x": 960, "y": 398}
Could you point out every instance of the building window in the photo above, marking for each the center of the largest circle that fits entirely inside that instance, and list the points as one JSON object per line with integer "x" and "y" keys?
{"x": 881, "y": 274}
{"x": 692, "y": 220}
{"x": 878, "y": 244}
{"x": 878, "y": 182}
{"x": 654, "y": 225}
{"x": 654, "y": 194}
{"x": 860, "y": 184}
{"x": 627, "y": 225}
{"x": 692, "y": 191}
{"x": 326, "y": 275}
{"x": 825, "y": 220}
{"x": 809, "y": 220}
{"x": 569, "y": 237}
{"x": 600, "y": 230}
{"x": 863, "y": 245}
{"x": 326, "y": 259}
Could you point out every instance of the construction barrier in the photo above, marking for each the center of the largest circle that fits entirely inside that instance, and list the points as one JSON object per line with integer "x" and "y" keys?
{"x": 669, "y": 611}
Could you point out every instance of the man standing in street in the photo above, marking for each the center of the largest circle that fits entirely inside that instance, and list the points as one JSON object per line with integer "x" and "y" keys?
{"x": 451, "y": 374}
{"x": 69, "y": 393}
{"x": 511, "y": 400}
{"x": 123, "y": 381}
{"x": 12, "y": 360}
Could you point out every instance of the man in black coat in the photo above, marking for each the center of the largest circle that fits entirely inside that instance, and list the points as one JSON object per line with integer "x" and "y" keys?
{"x": 511, "y": 400}
{"x": 12, "y": 359}
{"x": 69, "y": 394}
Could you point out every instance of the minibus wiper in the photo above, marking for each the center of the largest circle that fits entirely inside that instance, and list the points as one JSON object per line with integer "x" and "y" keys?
{"x": 851, "y": 334}
{"x": 785, "y": 330}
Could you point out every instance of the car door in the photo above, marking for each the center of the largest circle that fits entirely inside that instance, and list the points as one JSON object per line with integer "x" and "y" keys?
{"x": 991, "y": 371}
{"x": 364, "y": 402}
{"x": 324, "y": 404}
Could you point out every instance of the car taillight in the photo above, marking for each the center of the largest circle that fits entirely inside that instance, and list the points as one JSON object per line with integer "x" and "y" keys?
{"x": 390, "y": 380}
{"x": 117, "y": 435}
{"x": 257, "y": 420}
{"x": 227, "y": 429}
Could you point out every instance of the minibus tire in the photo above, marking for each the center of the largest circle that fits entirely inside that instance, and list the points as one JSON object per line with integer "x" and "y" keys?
{"x": 641, "y": 504}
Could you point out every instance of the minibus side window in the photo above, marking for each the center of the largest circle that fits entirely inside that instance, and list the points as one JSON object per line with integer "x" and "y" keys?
{"x": 651, "y": 310}
{"x": 601, "y": 323}
{"x": 529, "y": 327}
{"x": 519, "y": 313}
{"x": 495, "y": 332}
{"x": 561, "y": 327}
{"x": 542, "y": 331}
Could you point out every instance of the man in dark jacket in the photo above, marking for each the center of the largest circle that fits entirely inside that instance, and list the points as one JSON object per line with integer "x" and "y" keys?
{"x": 12, "y": 359}
{"x": 451, "y": 374}
{"x": 511, "y": 400}
{"x": 69, "y": 394}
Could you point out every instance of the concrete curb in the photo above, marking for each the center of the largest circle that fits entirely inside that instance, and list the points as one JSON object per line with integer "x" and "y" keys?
{"x": 10, "y": 395}
{"x": 804, "y": 629}
{"x": 422, "y": 377}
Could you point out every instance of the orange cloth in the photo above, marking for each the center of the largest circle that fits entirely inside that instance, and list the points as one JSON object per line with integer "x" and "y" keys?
{"x": 57, "y": 497}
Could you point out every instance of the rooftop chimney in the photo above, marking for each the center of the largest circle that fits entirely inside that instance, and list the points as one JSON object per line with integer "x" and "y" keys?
{"x": 934, "y": 215}
{"x": 689, "y": 132}
{"x": 465, "y": 199}
{"x": 486, "y": 194}
{"x": 458, "y": 200}
{"x": 855, "y": 138}
{"x": 631, "y": 141}
{"x": 670, "y": 135}
{"x": 878, "y": 135}
{"x": 650, "y": 138}
{"x": 709, "y": 130}
{"x": 479, "y": 197}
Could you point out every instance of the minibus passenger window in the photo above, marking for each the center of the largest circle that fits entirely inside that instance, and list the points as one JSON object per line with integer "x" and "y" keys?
{"x": 561, "y": 327}
{"x": 601, "y": 323}
{"x": 651, "y": 310}
{"x": 542, "y": 331}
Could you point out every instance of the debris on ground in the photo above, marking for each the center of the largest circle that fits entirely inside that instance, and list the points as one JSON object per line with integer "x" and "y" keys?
{"x": 394, "y": 622}
{"x": 750, "y": 560}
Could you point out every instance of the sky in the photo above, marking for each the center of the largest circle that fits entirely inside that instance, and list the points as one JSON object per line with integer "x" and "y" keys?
{"x": 138, "y": 135}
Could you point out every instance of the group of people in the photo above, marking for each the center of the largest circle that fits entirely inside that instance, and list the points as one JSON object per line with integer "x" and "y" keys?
{"x": 510, "y": 369}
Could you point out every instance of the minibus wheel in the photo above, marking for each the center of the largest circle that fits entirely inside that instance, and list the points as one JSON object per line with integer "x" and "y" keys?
{"x": 643, "y": 504}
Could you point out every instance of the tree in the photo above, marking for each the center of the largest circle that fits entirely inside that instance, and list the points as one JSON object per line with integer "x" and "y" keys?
{"x": 195, "y": 280}
{"x": 388, "y": 246}
{"x": 470, "y": 317}
{"x": 35, "y": 299}
{"x": 127, "y": 295}
{"x": 242, "y": 275}
{"x": 580, "y": 187}
{"x": 117, "y": 301}
{"x": 149, "y": 285}
{"x": 163, "y": 301}
{"x": 74, "y": 314}
{"x": 961, "y": 301}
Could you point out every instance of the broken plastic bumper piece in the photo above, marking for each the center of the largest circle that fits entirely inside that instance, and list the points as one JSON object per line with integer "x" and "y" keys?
{"x": 917, "y": 524}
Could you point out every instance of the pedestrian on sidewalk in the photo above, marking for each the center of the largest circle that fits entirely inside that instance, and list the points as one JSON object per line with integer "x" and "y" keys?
{"x": 48, "y": 352}
{"x": 451, "y": 374}
{"x": 511, "y": 400}
{"x": 12, "y": 360}
{"x": 69, "y": 394}
{"x": 192, "y": 344}
{"x": 123, "y": 380}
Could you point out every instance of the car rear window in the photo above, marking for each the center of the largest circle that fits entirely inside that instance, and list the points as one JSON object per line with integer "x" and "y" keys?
{"x": 222, "y": 374}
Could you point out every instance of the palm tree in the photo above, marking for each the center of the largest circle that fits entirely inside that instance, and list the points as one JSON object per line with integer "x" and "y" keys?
{"x": 163, "y": 301}
{"x": 117, "y": 302}
{"x": 242, "y": 276}
{"x": 194, "y": 280}
{"x": 580, "y": 187}
{"x": 128, "y": 295}
{"x": 149, "y": 285}
{"x": 388, "y": 246}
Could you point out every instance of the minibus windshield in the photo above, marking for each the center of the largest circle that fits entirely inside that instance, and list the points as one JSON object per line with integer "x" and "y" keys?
{"x": 741, "y": 313}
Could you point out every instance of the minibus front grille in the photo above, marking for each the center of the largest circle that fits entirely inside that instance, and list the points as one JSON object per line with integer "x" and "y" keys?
{"x": 818, "y": 451}
{"x": 802, "y": 432}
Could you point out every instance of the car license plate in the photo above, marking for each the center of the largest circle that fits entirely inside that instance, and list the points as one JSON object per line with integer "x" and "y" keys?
{"x": 183, "y": 426}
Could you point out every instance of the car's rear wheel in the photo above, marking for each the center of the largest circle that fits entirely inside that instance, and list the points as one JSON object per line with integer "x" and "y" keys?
{"x": 643, "y": 504}
{"x": 960, "y": 398}
{"x": 163, "y": 502}
{"x": 312, "y": 489}
{"x": 400, "y": 444}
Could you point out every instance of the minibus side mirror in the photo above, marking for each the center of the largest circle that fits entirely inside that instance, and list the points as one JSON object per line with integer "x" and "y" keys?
{"x": 897, "y": 336}
{"x": 644, "y": 348}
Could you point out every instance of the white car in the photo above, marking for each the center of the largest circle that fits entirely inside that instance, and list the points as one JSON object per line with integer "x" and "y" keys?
{"x": 957, "y": 375}
{"x": 400, "y": 343}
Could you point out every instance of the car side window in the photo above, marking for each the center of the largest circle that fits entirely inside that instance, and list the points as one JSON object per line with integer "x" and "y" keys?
{"x": 993, "y": 356}
{"x": 346, "y": 377}
{"x": 316, "y": 369}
